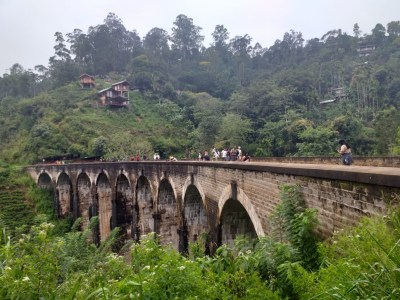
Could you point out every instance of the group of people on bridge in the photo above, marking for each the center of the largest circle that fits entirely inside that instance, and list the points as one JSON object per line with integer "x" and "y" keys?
{"x": 226, "y": 154}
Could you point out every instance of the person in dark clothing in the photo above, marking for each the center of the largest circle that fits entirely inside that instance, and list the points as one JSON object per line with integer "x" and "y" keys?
{"x": 246, "y": 157}
{"x": 345, "y": 153}
{"x": 206, "y": 156}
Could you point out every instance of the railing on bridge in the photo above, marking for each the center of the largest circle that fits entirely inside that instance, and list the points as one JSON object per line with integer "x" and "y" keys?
{"x": 373, "y": 161}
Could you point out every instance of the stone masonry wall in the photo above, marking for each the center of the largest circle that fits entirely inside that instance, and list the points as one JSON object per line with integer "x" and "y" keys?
{"x": 341, "y": 194}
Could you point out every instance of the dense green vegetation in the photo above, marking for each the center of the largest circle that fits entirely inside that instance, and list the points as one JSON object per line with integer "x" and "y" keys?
{"x": 53, "y": 259}
{"x": 189, "y": 97}
{"x": 13, "y": 192}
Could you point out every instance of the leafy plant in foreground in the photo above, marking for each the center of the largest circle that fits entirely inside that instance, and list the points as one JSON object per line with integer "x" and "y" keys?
{"x": 359, "y": 263}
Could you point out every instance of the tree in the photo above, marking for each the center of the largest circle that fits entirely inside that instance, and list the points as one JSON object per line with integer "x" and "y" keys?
{"x": 107, "y": 47}
{"x": 143, "y": 81}
{"x": 393, "y": 30}
{"x": 220, "y": 36}
{"x": 257, "y": 50}
{"x": 99, "y": 146}
{"x": 62, "y": 68}
{"x": 386, "y": 126}
{"x": 186, "y": 38}
{"x": 82, "y": 48}
{"x": 156, "y": 42}
{"x": 317, "y": 141}
{"x": 240, "y": 48}
{"x": 363, "y": 86}
{"x": 356, "y": 30}
{"x": 206, "y": 113}
{"x": 234, "y": 131}
{"x": 262, "y": 100}
{"x": 18, "y": 83}
{"x": 378, "y": 34}
{"x": 62, "y": 53}
{"x": 240, "y": 45}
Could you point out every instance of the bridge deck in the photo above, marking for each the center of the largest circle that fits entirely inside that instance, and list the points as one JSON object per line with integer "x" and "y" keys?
{"x": 386, "y": 176}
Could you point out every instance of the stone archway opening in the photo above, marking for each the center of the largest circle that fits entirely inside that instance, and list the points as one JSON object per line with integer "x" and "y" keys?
{"x": 143, "y": 210}
{"x": 84, "y": 201}
{"x": 50, "y": 200}
{"x": 234, "y": 222}
{"x": 195, "y": 218}
{"x": 44, "y": 181}
{"x": 104, "y": 205}
{"x": 167, "y": 215}
{"x": 64, "y": 196}
{"x": 123, "y": 207}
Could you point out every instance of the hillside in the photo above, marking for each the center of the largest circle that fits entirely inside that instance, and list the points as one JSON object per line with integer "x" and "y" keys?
{"x": 16, "y": 208}
{"x": 67, "y": 120}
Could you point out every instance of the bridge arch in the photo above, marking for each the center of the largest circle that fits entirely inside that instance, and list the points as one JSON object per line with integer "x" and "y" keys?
{"x": 194, "y": 210}
{"x": 64, "y": 195}
{"x": 44, "y": 180}
{"x": 84, "y": 198}
{"x": 171, "y": 182}
{"x": 123, "y": 203}
{"x": 143, "y": 208}
{"x": 234, "y": 206}
{"x": 192, "y": 180}
{"x": 167, "y": 213}
{"x": 103, "y": 188}
{"x": 102, "y": 172}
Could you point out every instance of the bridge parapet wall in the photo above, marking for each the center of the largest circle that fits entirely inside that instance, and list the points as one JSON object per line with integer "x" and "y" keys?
{"x": 375, "y": 161}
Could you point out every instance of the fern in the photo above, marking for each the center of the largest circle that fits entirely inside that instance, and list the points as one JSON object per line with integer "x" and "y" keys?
{"x": 292, "y": 222}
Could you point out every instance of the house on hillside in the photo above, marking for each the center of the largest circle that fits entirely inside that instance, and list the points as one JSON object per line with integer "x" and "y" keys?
{"x": 87, "y": 81}
{"x": 338, "y": 93}
{"x": 115, "y": 96}
{"x": 365, "y": 49}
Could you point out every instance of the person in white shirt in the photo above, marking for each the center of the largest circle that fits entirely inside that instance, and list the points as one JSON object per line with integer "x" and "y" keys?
{"x": 224, "y": 153}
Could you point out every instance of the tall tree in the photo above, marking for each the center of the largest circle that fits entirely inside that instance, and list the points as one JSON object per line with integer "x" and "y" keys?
{"x": 356, "y": 30}
{"x": 393, "y": 29}
{"x": 62, "y": 53}
{"x": 186, "y": 38}
{"x": 82, "y": 48}
{"x": 235, "y": 131}
{"x": 378, "y": 34}
{"x": 61, "y": 66}
{"x": 220, "y": 37}
{"x": 386, "y": 126}
{"x": 156, "y": 42}
{"x": 240, "y": 45}
{"x": 110, "y": 46}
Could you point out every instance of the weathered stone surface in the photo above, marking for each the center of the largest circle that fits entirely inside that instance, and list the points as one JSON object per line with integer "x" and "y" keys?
{"x": 182, "y": 200}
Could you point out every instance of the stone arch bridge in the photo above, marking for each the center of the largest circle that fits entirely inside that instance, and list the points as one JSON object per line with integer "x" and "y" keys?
{"x": 183, "y": 200}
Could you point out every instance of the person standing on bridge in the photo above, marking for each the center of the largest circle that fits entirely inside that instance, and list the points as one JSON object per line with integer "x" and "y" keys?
{"x": 206, "y": 156}
{"x": 345, "y": 153}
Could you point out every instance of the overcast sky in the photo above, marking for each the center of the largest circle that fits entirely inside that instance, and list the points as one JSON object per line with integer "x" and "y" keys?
{"x": 27, "y": 27}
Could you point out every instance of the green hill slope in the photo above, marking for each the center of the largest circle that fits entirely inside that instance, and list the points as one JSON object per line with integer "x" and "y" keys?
{"x": 16, "y": 209}
{"x": 68, "y": 121}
